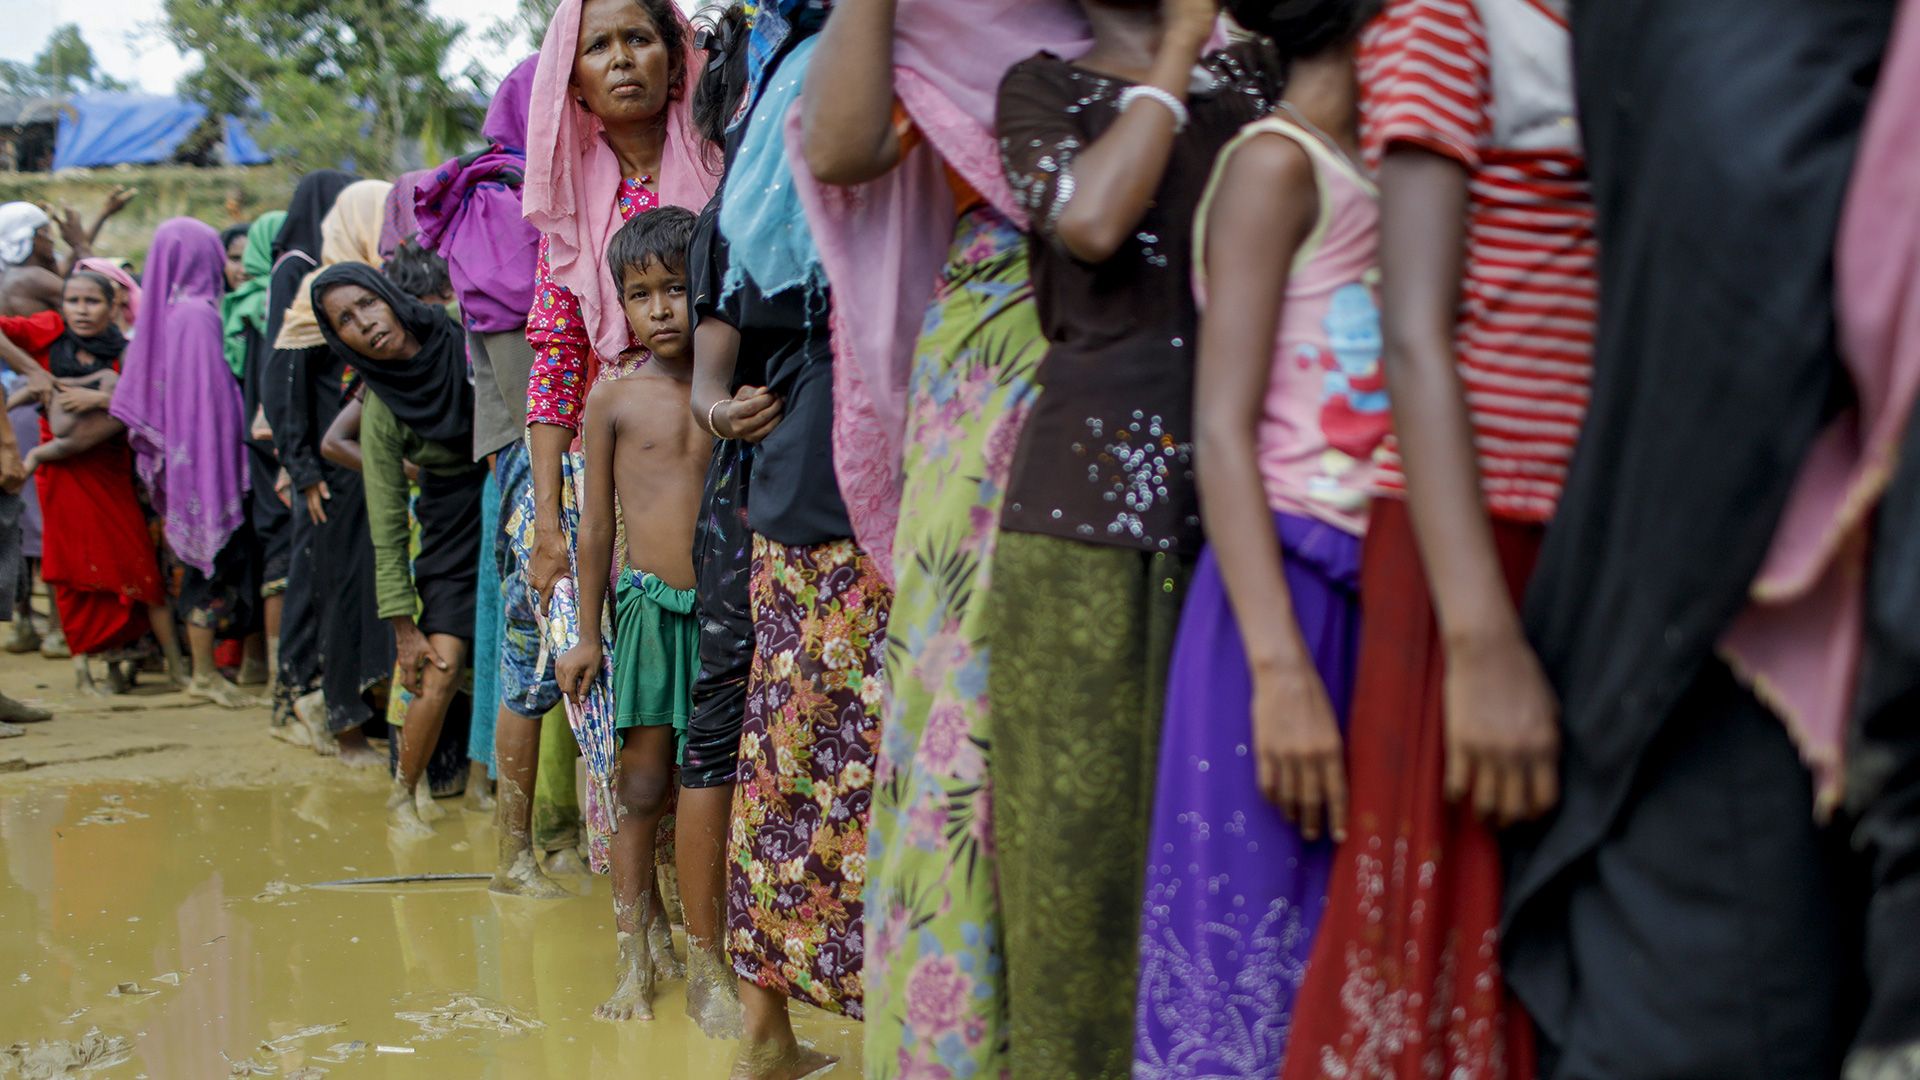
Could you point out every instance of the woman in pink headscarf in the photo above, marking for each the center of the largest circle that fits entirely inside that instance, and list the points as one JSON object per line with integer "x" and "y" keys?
{"x": 609, "y": 135}
{"x": 115, "y": 271}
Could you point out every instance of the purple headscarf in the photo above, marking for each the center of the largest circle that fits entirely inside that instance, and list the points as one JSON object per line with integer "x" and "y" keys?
{"x": 469, "y": 211}
{"x": 178, "y": 398}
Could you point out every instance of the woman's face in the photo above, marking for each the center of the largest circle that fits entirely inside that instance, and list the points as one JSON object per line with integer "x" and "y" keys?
{"x": 367, "y": 325}
{"x": 85, "y": 307}
{"x": 236, "y": 261}
{"x": 622, "y": 72}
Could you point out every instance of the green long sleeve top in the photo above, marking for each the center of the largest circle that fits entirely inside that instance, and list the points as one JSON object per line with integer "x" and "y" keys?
{"x": 386, "y": 445}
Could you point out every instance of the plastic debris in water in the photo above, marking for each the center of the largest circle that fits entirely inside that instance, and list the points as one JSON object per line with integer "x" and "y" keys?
{"x": 393, "y": 1049}
{"x": 51, "y": 1058}
{"x": 471, "y": 1012}
{"x": 171, "y": 978}
{"x": 340, "y": 1052}
{"x": 310, "y": 1072}
{"x": 285, "y": 1043}
{"x": 131, "y": 989}
{"x": 276, "y": 888}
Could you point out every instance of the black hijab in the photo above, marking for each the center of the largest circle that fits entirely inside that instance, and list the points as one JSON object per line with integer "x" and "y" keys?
{"x": 63, "y": 356}
{"x": 312, "y": 198}
{"x": 431, "y": 392}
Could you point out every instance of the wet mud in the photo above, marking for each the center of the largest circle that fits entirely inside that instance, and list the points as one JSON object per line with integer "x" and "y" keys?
{"x": 170, "y": 930}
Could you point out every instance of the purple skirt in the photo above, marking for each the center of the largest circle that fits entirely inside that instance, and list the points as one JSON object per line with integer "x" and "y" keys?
{"x": 1233, "y": 893}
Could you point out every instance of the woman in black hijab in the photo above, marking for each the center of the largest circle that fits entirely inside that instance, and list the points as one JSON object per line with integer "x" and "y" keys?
{"x": 291, "y": 420}
{"x": 419, "y": 409}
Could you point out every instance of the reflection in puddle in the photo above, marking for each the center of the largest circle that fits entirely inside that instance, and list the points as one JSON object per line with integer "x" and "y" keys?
{"x": 133, "y": 906}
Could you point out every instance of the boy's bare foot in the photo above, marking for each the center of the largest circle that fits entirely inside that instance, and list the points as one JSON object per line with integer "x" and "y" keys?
{"x": 775, "y": 1061}
{"x": 217, "y": 689}
{"x": 54, "y": 645}
{"x": 713, "y": 992}
{"x": 310, "y": 720}
{"x": 523, "y": 877}
{"x": 660, "y": 949}
{"x": 403, "y": 819}
{"x": 633, "y": 998}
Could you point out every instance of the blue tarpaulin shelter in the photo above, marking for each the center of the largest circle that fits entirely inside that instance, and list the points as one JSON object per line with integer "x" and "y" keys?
{"x": 240, "y": 147}
{"x": 122, "y": 129}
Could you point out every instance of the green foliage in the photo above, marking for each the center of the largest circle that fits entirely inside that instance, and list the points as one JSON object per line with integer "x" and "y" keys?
{"x": 338, "y": 80}
{"x": 64, "y": 66}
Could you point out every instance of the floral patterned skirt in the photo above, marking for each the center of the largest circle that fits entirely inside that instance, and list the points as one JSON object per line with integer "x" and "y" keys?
{"x": 797, "y": 844}
{"x": 936, "y": 992}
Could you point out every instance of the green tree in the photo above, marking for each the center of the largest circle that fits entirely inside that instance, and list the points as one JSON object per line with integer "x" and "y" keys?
{"x": 336, "y": 80}
{"x": 64, "y": 66}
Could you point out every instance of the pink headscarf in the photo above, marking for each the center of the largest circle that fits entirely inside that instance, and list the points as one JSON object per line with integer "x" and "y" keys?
{"x": 883, "y": 243}
{"x": 114, "y": 272}
{"x": 573, "y": 178}
{"x": 1798, "y": 643}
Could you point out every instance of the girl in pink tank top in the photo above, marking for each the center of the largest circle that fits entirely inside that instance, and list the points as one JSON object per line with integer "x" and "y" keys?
{"x": 1289, "y": 408}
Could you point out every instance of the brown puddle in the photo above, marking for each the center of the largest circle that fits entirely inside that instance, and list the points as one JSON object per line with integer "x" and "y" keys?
{"x": 158, "y": 931}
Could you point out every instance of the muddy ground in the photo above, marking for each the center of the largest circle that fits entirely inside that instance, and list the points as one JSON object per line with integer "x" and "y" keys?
{"x": 159, "y": 919}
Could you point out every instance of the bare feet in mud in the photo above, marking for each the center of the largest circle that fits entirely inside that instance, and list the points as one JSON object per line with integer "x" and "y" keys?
{"x": 522, "y": 876}
{"x": 424, "y": 805}
{"x": 773, "y": 1061}
{"x": 217, "y": 689}
{"x": 83, "y": 683}
{"x": 479, "y": 798}
{"x": 567, "y": 862}
{"x": 633, "y": 998}
{"x": 713, "y": 992}
{"x": 355, "y": 752}
{"x": 403, "y": 818}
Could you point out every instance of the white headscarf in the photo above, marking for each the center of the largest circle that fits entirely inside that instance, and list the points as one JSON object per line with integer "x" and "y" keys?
{"x": 18, "y": 222}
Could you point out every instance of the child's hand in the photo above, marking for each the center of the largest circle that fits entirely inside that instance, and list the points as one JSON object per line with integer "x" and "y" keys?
{"x": 1298, "y": 753}
{"x": 577, "y": 668}
{"x": 752, "y": 414}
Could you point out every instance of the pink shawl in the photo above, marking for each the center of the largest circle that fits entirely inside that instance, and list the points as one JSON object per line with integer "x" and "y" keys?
{"x": 883, "y": 243}
{"x": 116, "y": 273}
{"x": 573, "y": 178}
{"x": 1798, "y": 642}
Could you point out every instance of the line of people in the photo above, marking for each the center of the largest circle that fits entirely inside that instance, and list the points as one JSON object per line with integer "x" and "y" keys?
{"x": 1364, "y": 538}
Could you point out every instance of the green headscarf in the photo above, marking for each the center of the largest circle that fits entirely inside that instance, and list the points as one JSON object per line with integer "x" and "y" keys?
{"x": 248, "y": 303}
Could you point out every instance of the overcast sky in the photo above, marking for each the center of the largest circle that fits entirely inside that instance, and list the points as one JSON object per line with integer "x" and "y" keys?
{"x": 128, "y": 45}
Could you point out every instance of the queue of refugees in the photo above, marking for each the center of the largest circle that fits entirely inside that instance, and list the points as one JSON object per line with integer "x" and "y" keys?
{"x": 1325, "y": 538}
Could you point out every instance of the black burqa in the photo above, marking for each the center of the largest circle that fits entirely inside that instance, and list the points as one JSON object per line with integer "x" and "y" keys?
{"x": 282, "y": 391}
{"x": 430, "y": 393}
{"x": 1719, "y": 135}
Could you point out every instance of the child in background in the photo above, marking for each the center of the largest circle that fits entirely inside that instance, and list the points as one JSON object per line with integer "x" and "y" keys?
{"x": 1284, "y": 265}
{"x": 643, "y": 446}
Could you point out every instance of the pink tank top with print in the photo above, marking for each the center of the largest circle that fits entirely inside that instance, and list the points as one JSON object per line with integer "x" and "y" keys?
{"x": 1326, "y": 406}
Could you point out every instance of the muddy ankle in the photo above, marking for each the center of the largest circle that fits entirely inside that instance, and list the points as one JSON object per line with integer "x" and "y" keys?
{"x": 633, "y": 997}
{"x": 519, "y": 874}
{"x": 423, "y": 803}
{"x": 713, "y": 992}
{"x": 660, "y": 947}
{"x": 480, "y": 798}
{"x": 779, "y": 1059}
{"x": 403, "y": 818}
{"x": 83, "y": 680}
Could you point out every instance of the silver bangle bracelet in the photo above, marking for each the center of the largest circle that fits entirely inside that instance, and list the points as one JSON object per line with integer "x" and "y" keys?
{"x": 711, "y": 430}
{"x": 1174, "y": 105}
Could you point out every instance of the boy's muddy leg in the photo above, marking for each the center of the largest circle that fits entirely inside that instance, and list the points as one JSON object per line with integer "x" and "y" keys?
{"x": 768, "y": 1049}
{"x": 425, "y": 714}
{"x": 666, "y": 964}
{"x": 516, "y": 753}
{"x": 700, "y": 841}
{"x": 641, "y": 786}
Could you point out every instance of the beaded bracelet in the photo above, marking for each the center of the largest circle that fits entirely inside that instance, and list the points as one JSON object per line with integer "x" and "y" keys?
{"x": 1174, "y": 105}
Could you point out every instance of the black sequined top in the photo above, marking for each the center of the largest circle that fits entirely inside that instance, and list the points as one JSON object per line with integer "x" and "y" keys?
{"x": 1106, "y": 456}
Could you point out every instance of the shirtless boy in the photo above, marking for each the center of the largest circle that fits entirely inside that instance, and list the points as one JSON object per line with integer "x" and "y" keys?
{"x": 641, "y": 442}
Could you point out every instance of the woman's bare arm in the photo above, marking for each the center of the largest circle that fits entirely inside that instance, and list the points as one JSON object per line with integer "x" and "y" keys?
{"x": 1502, "y": 725}
{"x": 341, "y": 443}
{"x": 846, "y": 110}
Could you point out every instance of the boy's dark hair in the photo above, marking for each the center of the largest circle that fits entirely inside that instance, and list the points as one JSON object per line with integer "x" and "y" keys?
{"x": 659, "y": 235}
{"x": 1301, "y": 28}
{"x": 419, "y": 273}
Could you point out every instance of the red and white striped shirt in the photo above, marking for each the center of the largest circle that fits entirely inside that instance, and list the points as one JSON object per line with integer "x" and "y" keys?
{"x": 1489, "y": 83}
